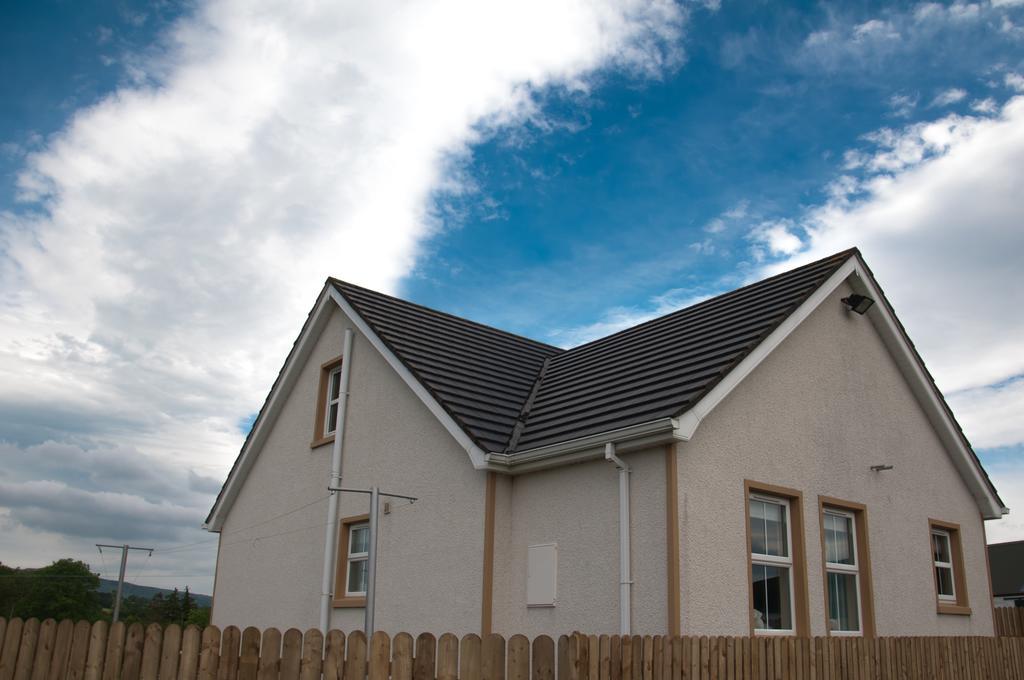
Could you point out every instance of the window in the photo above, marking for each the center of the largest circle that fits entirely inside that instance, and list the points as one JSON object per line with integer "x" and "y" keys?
{"x": 846, "y": 566}
{"x": 948, "y": 568}
{"x": 776, "y": 560}
{"x": 771, "y": 561}
{"x": 353, "y": 555}
{"x": 328, "y": 402}
{"x": 842, "y": 572}
{"x": 333, "y": 396}
{"x": 358, "y": 553}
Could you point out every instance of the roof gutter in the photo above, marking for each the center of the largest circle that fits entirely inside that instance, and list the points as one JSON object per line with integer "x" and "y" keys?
{"x": 591, "y": 447}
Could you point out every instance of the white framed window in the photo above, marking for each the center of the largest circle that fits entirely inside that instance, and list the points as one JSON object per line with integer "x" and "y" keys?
{"x": 358, "y": 554}
{"x": 842, "y": 572}
{"x": 331, "y": 403}
{"x": 942, "y": 556}
{"x": 771, "y": 563}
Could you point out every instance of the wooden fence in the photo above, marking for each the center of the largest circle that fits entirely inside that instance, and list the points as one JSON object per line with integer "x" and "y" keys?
{"x": 1009, "y": 621}
{"x": 34, "y": 650}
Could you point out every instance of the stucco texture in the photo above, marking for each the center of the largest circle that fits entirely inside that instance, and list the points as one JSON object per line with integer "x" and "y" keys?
{"x": 577, "y": 508}
{"x": 822, "y": 408}
{"x": 429, "y": 553}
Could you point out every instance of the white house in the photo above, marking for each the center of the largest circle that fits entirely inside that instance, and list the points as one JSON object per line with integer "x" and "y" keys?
{"x": 775, "y": 460}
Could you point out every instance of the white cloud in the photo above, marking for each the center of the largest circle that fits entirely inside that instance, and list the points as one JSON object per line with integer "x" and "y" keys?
{"x": 1015, "y": 81}
{"x": 950, "y": 96}
{"x": 992, "y": 413}
{"x": 175, "y": 234}
{"x": 902, "y": 105}
{"x": 778, "y": 235}
{"x": 985, "y": 106}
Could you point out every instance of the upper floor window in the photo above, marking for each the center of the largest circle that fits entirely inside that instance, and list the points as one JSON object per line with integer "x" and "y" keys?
{"x": 333, "y": 396}
{"x": 771, "y": 561}
{"x": 328, "y": 401}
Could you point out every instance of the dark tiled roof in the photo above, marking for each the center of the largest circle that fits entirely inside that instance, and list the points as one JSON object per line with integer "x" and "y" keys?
{"x": 480, "y": 375}
{"x": 512, "y": 394}
{"x": 1006, "y": 561}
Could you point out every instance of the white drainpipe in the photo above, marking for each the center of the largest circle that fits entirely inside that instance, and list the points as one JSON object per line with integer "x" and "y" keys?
{"x": 331, "y": 537}
{"x": 625, "y": 580}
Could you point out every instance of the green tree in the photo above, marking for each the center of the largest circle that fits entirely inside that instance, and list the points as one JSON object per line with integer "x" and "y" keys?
{"x": 66, "y": 589}
{"x": 172, "y": 609}
{"x": 199, "y": 616}
{"x": 187, "y": 605}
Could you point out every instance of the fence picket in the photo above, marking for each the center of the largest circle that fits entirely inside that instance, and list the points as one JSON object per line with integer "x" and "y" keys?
{"x": 115, "y": 651}
{"x": 270, "y": 655}
{"x": 447, "y": 657}
{"x": 379, "y": 658}
{"x": 401, "y": 657}
{"x": 249, "y": 655}
{"x": 188, "y": 666}
{"x": 492, "y": 663}
{"x": 313, "y": 655}
{"x": 424, "y": 663}
{"x": 209, "y": 654}
{"x": 290, "y": 664}
{"x": 96, "y": 651}
{"x": 469, "y": 658}
{"x": 334, "y": 656}
{"x": 230, "y": 641}
{"x": 134, "y": 644}
{"x": 169, "y": 653}
{"x": 9, "y": 651}
{"x": 518, "y": 660}
{"x": 542, "y": 663}
{"x": 44, "y": 649}
{"x": 26, "y": 649}
{"x": 563, "y": 658}
{"x": 355, "y": 656}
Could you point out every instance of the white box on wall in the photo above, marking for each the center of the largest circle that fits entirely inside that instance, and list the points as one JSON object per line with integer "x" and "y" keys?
{"x": 541, "y": 575}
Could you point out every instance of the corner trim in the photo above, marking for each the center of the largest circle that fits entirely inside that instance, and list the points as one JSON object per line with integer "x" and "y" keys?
{"x": 672, "y": 539}
{"x": 487, "y": 596}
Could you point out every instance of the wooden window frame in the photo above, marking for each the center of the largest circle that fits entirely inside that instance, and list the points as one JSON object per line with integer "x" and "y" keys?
{"x": 862, "y": 545}
{"x": 341, "y": 600}
{"x": 960, "y": 605}
{"x": 798, "y": 554}
{"x": 320, "y": 417}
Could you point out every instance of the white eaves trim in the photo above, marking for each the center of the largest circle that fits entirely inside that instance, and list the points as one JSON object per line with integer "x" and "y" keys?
{"x": 906, "y": 358}
{"x": 476, "y": 454}
{"x": 318, "y": 318}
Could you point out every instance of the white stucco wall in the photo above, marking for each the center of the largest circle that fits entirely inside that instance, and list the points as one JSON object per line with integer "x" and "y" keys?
{"x": 823, "y": 407}
{"x": 577, "y": 508}
{"x": 429, "y": 553}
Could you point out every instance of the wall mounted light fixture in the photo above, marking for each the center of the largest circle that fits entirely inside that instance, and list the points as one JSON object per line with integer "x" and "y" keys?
{"x": 858, "y": 303}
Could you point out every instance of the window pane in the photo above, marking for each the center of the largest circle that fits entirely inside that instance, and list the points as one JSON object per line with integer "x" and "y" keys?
{"x": 775, "y": 530}
{"x": 335, "y": 384}
{"x": 944, "y": 579}
{"x": 332, "y": 419}
{"x": 839, "y": 539}
{"x": 842, "y": 602}
{"x": 757, "y": 537}
{"x": 768, "y": 529}
{"x": 357, "y": 577}
{"x": 940, "y": 548}
{"x": 359, "y": 539}
{"x": 771, "y": 598}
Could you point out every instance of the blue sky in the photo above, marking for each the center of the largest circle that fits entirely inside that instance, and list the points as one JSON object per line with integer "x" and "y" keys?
{"x": 177, "y": 179}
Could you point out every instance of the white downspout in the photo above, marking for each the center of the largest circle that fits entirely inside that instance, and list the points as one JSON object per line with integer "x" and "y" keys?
{"x": 331, "y": 537}
{"x": 625, "y": 580}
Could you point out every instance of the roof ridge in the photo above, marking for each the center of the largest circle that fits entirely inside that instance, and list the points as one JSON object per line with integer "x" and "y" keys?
{"x": 455, "y": 317}
{"x": 843, "y": 255}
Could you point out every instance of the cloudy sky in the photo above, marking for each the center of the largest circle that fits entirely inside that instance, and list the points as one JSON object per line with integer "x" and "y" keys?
{"x": 178, "y": 178}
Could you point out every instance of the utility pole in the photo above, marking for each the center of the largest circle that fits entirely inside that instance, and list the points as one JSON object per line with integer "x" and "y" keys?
{"x": 371, "y": 557}
{"x": 120, "y": 579}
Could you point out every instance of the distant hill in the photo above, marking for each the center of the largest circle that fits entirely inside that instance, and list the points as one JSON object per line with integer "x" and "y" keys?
{"x": 149, "y": 592}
